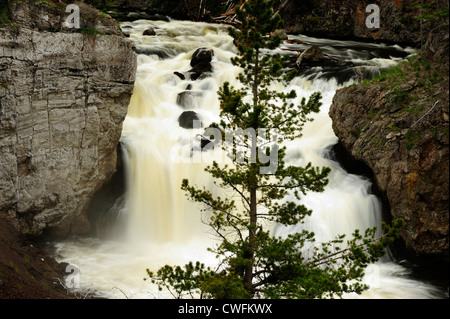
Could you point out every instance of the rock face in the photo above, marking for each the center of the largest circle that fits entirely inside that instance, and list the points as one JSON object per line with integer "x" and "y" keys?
{"x": 63, "y": 97}
{"x": 150, "y": 9}
{"x": 398, "y": 125}
{"x": 345, "y": 19}
{"x": 399, "y": 22}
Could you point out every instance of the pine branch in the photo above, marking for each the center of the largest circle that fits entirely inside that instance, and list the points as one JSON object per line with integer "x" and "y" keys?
{"x": 329, "y": 258}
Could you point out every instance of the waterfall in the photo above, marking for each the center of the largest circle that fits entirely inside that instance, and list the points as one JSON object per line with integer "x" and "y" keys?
{"x": 158, "y": 225}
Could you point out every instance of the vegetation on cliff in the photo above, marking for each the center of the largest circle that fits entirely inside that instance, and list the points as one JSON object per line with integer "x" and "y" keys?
{"x": 92, "y": 20}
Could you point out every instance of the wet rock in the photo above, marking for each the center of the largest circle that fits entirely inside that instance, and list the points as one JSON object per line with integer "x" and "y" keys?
{"x": 189, "y": 120}
{"x": 313, "y": 54}
{"x": 206, "y": 144}
{"x": 201, "y": 71}
{"x": 201, "y": 63}
{"x": 149, "y": 32}
{"x": 132, "y": 16}
{"x": 296, "y": 41}
{"x": 151, "y": 51}
{"x": 202, "y": 55}
{"x": 180, "y": 75}
{"x": 280, "y": 33}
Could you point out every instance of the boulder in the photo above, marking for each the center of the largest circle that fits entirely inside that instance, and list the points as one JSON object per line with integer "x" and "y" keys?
{"x": 296, "y": 41}
{"x": 200, "y": 71}
{"x": 149, "y": 32}
{"x": 132, "y": 16}
{"x": 279, "y": 33}
{"x": 201, "y": 63}
{"x": 188, "y": 119}
{"x": 202, "y": 55}
{"x": 313, "y": 54}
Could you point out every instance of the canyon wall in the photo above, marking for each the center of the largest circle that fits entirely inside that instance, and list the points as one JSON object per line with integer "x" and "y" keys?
{"x": 64, "y": 94}
{"x": 398, "y": 125}
{"x": 405, "y": 22}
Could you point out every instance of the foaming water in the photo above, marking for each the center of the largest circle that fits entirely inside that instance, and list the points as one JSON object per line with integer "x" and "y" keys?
{"x": 156, "y": 224}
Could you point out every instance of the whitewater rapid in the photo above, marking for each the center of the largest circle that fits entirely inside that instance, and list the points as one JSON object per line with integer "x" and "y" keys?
{"x": 156, "y": 224}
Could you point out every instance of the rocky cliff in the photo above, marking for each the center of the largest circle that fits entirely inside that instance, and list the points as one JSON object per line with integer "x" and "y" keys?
{"x": 152, "y": 9}
{"x": 64, "y": 94}
{"x": 398, "y": 124}
{"x": 401, "y": 21}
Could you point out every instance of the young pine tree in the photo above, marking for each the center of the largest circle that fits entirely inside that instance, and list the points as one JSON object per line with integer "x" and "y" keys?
{"x": 254, "y": 263}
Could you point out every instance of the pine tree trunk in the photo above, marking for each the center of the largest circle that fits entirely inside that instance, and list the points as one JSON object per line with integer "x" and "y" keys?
{"x": 253, "y": 183}
{"x": 251, "y": 242}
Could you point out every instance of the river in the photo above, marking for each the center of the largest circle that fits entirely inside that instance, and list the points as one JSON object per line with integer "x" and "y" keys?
{"x": 154, "y": 223}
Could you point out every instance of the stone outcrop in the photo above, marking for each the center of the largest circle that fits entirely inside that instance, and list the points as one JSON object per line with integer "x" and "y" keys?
{"x": 398, "y": 124}
{"x": 64, "y": 94}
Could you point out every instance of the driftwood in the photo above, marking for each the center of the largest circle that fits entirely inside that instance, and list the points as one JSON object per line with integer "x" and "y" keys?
{"x": 200, "y": 10}
{"x": 231, "y": 20}
{"x": 229, "y": 17}
{"x": 281, "y": 7}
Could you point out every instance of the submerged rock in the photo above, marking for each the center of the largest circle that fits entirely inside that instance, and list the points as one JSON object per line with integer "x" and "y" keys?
{"x": 151, "y": 51}
{"x": 188, "y": 99}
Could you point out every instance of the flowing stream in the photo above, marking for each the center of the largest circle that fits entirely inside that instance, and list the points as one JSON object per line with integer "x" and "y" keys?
{"x": 156, "y": 225}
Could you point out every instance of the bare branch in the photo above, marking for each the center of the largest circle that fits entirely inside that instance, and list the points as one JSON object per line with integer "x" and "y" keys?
{"x": 121, "y": 291}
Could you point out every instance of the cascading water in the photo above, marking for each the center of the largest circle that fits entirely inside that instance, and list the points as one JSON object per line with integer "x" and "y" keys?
{"x": 157, "y": 225}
